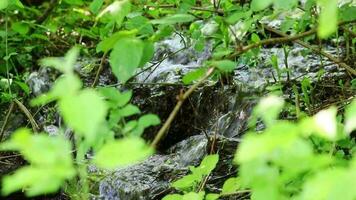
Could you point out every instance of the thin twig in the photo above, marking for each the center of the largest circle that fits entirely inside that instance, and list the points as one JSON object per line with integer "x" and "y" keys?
{"x": 284, "y": 39}
{"x": 235, "y": 193}
{"x": 23, "y": 108}
{"x": 317, "y": 50}
{"x": 6, "y": 120}
{"x": 181, "y": 99}
{"x": 101, "y": 66}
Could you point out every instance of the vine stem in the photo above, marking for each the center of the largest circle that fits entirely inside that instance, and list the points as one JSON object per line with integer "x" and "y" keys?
{"x": 235, "y": 193}
{"x": 6, "y": 120}
{"x": 181, "y": 99}
{"x": 23, "y": 108}
{"x": 101, "y": 66}
{"x": 330, "y": 57}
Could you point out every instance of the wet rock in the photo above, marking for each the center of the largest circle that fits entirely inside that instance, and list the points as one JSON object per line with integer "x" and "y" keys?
{"x": 40, "y": 82}
{"x": 151, "y": 178}
{"x": 174, "y": 57}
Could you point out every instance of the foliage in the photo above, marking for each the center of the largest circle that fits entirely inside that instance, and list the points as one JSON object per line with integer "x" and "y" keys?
{"x": 287, "y": 160}
{"x": 85, "y": 111}
{"x": 188, "y": 184}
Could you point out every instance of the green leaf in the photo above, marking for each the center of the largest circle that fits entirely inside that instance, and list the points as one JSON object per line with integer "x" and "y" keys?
{"x": 124, "y": 66}
{"x": 194, "y": 75}
{"x": 347, "y": 13}
{"x": 148, "y": 52}
{"x": 4, "y": 4}
{"x": 174, "y": 19}
{"x": 74, "y": 2}
{"x": 115, "y": 97}
{"x": 109, "y": 43}
{"x": 20, "y": 27}
{"x": 65, "y": 85}
{"x": 187, "y": 182}
{"x": 285, "y": 4}
{"x": 129, "y": 110}
{"x": 208, "y": 164}
{"x": 23, "y": 86}
{"x": 194, "y": 196}
{"x": 118, "y": 11}
{"x": 149, "y": 120}
{"x": 224, "y": 65}
{"x": 122, "y": 152}
{"x": 50, "y": 159}
{"x": 84, "y": 112}
{"x": 350, "y": 117}
{"x": 257, "y": 5}
{"x": 271, "y": 103}
{"x": 66, "y": 65}
{"x": 173, "y": 197}
{"x": 335, "y": 183}
{"x": 231, "y": 185}
{"x": 95, "y": 6}
{"x": 325, "y": 124}
{"x": 328, "y": 18}
{"x": 212, "y": 196}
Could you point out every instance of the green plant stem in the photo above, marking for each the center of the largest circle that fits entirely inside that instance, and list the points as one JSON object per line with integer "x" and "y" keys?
{"x": 6, "y": 120}
{"x": 23, "y": 108}
{"x": 181, "y": 99}
{"x": 7, "y": 52}
{"x": 101, "y": 66}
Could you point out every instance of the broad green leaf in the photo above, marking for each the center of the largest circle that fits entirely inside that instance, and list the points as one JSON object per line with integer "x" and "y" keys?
{"x": 4, "y": 4}
{"x": 65, "y": 65}
{"x": 115, "y": 97}
{"x": 208, "y": 164}
{"x": 194, "y": 196}
{"x": 224, "y": 65}
{"x": 148, "y": 51}
{"x": 84, "y": 112}
{"x": 173, "y": 197}
{"x": 122, "y": 152}
{"x": 350, "y": 117}
{"x": 129, "y": 110}
{"x": 149, "y": 120}
{"x": 109, "y": 43}
{"x": 325, "y": 123}
{"x": 335, "y": 183}
{"x": 174, "y": 19}
{"x": 95, "y": 6}
{"x": 285, "y": 4}
{"x": 74, "y": 2}
{"x": 257, "y": 5}
{"x": 231, "y": 185}
{"x": 23, "y": 86}
{"x": 212, "y": 196}
{"x": 65, "y": 85}
{"x": 187, "y": 182}
{"x": 328, "y": 18}
{"x": 124, "y": 66}
{"x": 50, "y": 161}
{"x": 194, "y": 75}
{"x": 347, "y": 13}
{"x": 118, "y": 11}
{"x": 21, "y": 28}
{"x": 271, "y": 103}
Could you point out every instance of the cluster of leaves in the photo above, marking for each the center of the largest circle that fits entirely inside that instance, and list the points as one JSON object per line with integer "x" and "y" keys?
{"x": 287, "y": 160}
{"x": 84, "y": 111}
{"x": 127, "y": 30}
